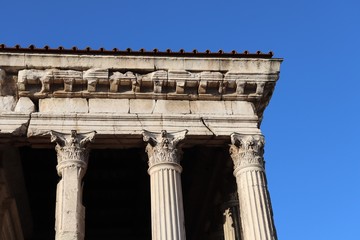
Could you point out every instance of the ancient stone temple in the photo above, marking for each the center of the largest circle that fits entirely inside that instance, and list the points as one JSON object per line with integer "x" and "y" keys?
{"x": 135, "y": 145}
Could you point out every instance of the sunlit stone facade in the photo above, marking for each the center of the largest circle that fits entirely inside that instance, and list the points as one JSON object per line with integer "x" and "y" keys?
{"x": 161, "y": 146}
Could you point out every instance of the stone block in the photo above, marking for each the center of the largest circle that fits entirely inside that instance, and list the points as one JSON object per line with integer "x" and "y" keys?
{"x": 7, "y": 103}
{"x": 142, "y": 105}
{"x": 172, "y": 106}
{"x": 228, "y": 107}
{"x": 14, "y": 123}
{"x": 63, "y": 105}
{"x": 97, "y": 105}
{"x": 242, "y": 108}
{"x": 25, "y": 105}
{"x": 208, "y": 107}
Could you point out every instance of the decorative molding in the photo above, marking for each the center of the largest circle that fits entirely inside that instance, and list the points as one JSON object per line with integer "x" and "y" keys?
{"x": 159, "y": 84}
{"x": 72, "y": 149}
{"x": 247, "y": 150}
{"x": 113, "y": 127}
{"x": 163, "y": 147}
{"x": 97, "y": 82}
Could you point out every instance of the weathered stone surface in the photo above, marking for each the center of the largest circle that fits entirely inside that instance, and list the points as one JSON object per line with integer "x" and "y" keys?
{"x": 228, "y": 107}
{"x": 208, "y": 107}
{"x": 207, "y": 82}
{"x": 2, "y": 79}
{"x": 14, "y": 123}
{"x": 172, "y": 106}
{"x": 25, "y": 105}
{"x": 63, "y": 105}
{"x": 7, "y": 103}
{"x": 164, "y": 170}
{"x": 121, "y": 96}
{"x": 147, "y": 63}
{"x": 222, "y": 108}
{"x": 255, "y": 207}
{"x": 94, "y": 76}
{"x": 142, "y": 105}
{"x": 242, "y": 108}
{"x": 127, "y": 81}
{"x": 109, "y": 105}
{"x": 112, "y": 128}
{"x": 205, "y": 85}
{"x": 72, "y": 156}
{"x": 31, "y": 76}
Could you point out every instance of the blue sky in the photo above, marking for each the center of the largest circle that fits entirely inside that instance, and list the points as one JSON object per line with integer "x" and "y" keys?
{"x": 312, "y": 122}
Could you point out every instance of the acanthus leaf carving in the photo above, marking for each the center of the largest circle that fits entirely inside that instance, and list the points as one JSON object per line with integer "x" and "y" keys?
{"x": 72, "y": 149}
{"x": 247, "y": 150}
{"x": 163, "y": 147}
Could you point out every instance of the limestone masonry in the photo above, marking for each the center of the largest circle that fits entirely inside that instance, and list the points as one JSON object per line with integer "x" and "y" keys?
{"x": 164, "y": 104}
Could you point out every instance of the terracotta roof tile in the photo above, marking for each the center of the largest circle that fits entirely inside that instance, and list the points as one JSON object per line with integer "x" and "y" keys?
{"x": 129, "y": 51}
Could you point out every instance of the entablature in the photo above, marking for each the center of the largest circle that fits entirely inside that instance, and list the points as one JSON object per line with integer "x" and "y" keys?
{"x": 139, "y": 77}
{"x": 120, "y": 95}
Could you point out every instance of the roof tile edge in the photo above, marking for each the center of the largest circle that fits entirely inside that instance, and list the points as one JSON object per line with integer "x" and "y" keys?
{"x": 130, "y": 52}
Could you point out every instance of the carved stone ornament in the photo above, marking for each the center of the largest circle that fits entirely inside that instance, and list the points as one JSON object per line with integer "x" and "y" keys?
{"x": 71, "y": 149}
{"x": 162, "y": 147}
{"x": 247, "y": 150}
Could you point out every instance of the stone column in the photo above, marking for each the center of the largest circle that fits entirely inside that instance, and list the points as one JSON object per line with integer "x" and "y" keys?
{"x": 228, "y": 226}
{"x": 167, "y": 213}
{"x": 231, "y": 214}
{"x": 72, "y": 155}
{"x": 255, "y": 207}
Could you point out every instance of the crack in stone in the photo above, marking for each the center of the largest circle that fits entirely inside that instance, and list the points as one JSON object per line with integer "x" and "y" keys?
{"x": 208, "y": 128}
{"x": 141, "y": 124}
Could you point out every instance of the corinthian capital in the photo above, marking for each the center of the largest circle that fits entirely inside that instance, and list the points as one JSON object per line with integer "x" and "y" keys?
{"x": 247, "y": 150}
{"x": 72, "y": 148}
{"x": 162, "y": 147}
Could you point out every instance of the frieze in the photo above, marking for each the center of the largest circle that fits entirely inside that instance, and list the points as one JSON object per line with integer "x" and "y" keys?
{"x": 98, "y": 82}
{"x": 72, "y": 149}
{"x": 163, "y": 147}
{"x": 247, "y": 150}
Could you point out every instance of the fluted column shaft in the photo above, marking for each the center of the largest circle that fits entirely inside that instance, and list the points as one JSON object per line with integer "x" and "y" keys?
{"x": 72, "y": 156}
{"x": 255, "y": 207}
{"x": 167, "y": 212}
